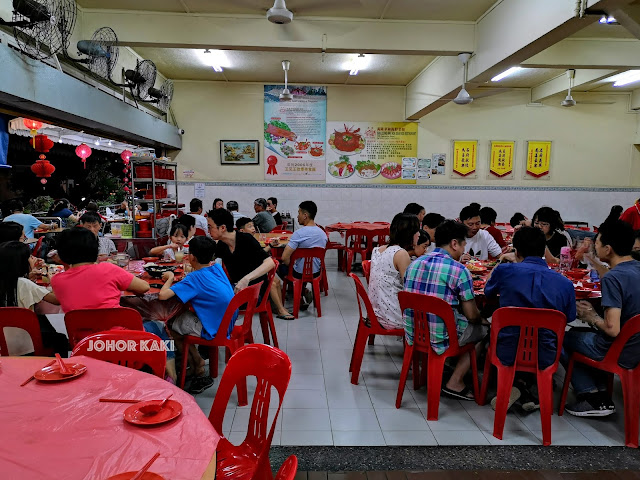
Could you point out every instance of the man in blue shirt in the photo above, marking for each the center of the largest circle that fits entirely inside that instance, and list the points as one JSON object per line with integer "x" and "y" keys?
{"x": 208, "y": 290}
{"x": 530, "y": 283}
{"x": 621, "y": 302}
{"x": 29, "y": 222}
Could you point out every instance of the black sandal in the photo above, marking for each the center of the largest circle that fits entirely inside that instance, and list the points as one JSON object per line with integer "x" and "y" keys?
{"x": 462, "y": 395}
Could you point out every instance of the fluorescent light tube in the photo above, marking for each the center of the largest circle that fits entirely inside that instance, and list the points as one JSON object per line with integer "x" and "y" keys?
{"x": 506, "y": 73}
{"x": 625, "y": 78}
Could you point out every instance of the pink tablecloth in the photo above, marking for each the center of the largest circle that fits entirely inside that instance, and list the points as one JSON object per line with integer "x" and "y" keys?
{"x": 61, "y": 431}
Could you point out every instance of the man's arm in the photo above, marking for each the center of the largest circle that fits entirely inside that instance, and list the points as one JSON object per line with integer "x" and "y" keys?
{"x": 492, "y": 246}
{"x": 286, "y": 255}
{"x": 165, "y": 292}
{"x": 470, "y": 310}
{"x": 138, "y": 286}
{"x": 609, "y": 325}
{"x": 264, "y": 268}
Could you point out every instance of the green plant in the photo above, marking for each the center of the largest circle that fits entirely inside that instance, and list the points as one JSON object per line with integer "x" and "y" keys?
{"x": 39, "y": 204}
{"x": 105, "y": 184}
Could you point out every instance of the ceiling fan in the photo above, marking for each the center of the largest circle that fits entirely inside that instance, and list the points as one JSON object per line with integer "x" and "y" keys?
{"x": 570, "y": 102}
{"x": 286, "y": 95}
{"x": 463, "y": 97}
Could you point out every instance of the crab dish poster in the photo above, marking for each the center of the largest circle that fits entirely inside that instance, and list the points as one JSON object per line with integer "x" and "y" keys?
{"x": 294, "y": 133}
{"x": 372, "y": 152}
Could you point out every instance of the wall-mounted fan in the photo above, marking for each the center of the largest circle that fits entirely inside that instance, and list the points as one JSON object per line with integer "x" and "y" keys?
{"x": 162, "y": 96}
{"x": 41, "y": 27}
{"x": 100, "y": 53}
{"x": 140, "y": 80}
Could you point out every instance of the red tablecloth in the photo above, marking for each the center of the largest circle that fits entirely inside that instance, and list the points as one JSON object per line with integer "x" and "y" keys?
{"x": 61, "y": 431}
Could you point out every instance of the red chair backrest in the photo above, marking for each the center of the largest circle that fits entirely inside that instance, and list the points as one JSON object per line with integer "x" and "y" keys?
{"x": 630, "y": 328}
{"x": 363, "y": 298}
{"x": 81, "y": 323}
{"x": 146, "y": 349}
{"x": 288, "y": 469}
{"x": 200, "y": 233}
{"x": 250, "y": 296}
{"x": 530, "y": 321}
{"x": 284, "y": 224}
{"x": 265, "y": 297}
{"x": 308, "y": 254}
{"x": 366, "y": 269}
{"x": 36, "y": 250}
{"x": 26, "y": 320}
{"x": 422, "y": 305}
{"x": 272, "y": 368}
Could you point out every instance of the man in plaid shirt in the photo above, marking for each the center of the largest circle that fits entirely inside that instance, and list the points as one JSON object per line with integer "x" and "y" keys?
{"x": 441, "y": 275}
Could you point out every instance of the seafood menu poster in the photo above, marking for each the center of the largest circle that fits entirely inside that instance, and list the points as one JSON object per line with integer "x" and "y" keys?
{"x": 294, "y": 133}
{"x": 372, "y": 152}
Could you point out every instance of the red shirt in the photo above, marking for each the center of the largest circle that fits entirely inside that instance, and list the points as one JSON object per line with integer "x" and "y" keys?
{"x": 632, "y": 216}
{"x": 91, "y": 286}
{"x": 497, "y": 236}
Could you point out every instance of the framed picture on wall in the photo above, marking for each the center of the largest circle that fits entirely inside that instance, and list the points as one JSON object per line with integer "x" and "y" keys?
{"x": 239, "y": 152}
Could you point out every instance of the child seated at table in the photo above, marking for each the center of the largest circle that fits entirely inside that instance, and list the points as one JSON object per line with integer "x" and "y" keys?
{"x": 182, "y": 230}
{"x": 16, "y": 290}
{"x": 421, "y": 246}
{"x": 209, "y": 291}
{"x": 245, "y": 225}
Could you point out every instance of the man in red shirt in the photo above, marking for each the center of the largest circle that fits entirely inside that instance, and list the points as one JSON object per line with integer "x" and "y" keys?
{"x": 488, "y": 222}
{"x": 632, "y": 215}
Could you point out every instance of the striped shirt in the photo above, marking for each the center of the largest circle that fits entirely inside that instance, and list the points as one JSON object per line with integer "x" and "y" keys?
{"x": 439, "y": 275}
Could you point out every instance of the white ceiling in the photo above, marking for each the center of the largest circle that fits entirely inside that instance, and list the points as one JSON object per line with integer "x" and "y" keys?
{"x": 451, "y": 10}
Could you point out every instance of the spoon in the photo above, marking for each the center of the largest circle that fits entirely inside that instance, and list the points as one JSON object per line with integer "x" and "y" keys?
{"x": 64, "y": 370}
{"x": 154, "y": 408}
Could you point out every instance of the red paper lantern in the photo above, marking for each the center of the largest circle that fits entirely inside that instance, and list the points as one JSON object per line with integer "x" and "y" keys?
{"x": 42, "y": 143}
{"x": 43, "y": 169}
{"x": 126, "y": 155}
{"x": 83, "y": 151}
{"x": 32, "y": 125}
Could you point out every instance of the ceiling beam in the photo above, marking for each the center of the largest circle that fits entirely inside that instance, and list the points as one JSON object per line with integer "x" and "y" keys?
{"x": 561, "y": 83}
{"x": 588, "y": 53}
{"x": 176, "y": 30}
{"x": 634, "y": 104}
{"x": 627, "y": 16}
{"x": 507, "y": 35}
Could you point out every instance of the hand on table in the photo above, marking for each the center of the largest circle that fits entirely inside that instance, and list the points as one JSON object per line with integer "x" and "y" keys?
{"x": 508, "y": 257}
{"x": 465, "y": 258}
{"x": 168, "y": 276}
{"x": 506, "y": 249}
{"x": 586, "y": 312}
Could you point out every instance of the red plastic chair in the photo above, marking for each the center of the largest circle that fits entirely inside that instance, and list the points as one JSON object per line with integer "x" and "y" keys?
{"x": 284, "y": 225}
{"x": 82, "y": 323}
{"x": 247, "y": 296}
{"x": 155, "y": 357}
{"x": 366, "y": 269}
{"x": 355, "y": 243}
{"x": 288, "y": 469}
{"x": 630, "y": 379}
{"x": 335, "y": 246}
{"x": 38, "y": 246}
{"x": 250, "y": 459}
{"x": 422, "y": 305}
{"x": 24, "y": 319}
{"x": 279, "y": 229}
{"x": 200, "y": 233}
{"x": 308, "y": 254}
{"x": 368, "y": 326}
{"x": 530, "y": 321}
{"x": 264, "y": 310}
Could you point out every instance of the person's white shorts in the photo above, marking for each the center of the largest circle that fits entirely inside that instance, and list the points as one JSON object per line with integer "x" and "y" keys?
{"x": 187, "y": 323}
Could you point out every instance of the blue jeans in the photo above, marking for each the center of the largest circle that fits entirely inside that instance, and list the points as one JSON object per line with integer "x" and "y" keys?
{"x": 155, "y": 327}
{"x": 584, "y": 379}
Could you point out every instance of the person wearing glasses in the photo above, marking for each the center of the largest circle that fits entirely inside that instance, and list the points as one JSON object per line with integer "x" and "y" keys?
{"x": 479, "y": 243}
{"x": 548, "y": 220}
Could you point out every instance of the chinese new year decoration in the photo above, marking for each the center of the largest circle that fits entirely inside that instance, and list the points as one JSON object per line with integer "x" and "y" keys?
{"x": 538, "y": 158}
{"x": 32, "y": 125}
{"x": 43, "y": 169}
{"x": 42, "y": 143}
{"x": 83, "y": 151}
{"x": 126, "y": 155}
{"x": 501, "y": 158}
{"x": 465, "y": 154}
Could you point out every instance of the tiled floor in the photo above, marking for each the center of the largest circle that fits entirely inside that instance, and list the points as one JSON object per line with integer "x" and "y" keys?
{"x": 322, "y": 407}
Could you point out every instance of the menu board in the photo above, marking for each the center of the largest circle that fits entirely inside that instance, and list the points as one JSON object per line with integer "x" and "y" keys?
{"x": 501, "y": 159}
{"x": 465, "y": 156}
{"x": 538, "y": 159}
{"x": 372, "y": 152}
{"x": 294, "y": 133}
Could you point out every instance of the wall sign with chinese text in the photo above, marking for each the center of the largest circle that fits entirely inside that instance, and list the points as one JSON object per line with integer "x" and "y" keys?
{"x": 538, "y": 159}
{"x": 501, "y": 154}
{"x": 465, "y": 156}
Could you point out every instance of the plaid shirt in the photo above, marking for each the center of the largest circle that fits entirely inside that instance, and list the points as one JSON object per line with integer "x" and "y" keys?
{"x": 439, "y": 275}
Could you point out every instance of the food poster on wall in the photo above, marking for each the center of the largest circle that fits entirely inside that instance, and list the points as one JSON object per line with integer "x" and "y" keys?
{"x": 438, "y": 163}
{"x": 294, "y": 133}
{"x": 372, "y": 152}
{"x": 465, "y": 156}
{"x": 538, "y": 159}
{"x": 501, "y": 159}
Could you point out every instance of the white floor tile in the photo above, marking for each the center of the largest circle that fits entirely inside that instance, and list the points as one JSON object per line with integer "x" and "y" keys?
{"x": 460, "y": 437}
{"x": 405, "y": 438}
{"x": 306, "y": 437}
{"x": 513, "y": 438}
{"x": 558, "y": 424}
{"x": 564, "y": 437}
{"x": 305, "y": 419}
{"x": 306, "y": 382}
{"x": 386, "y": 398}
{"x": 350, "y": 396}
{"x": 451, "y": 420}
{"x": 401, "y": 419}
{"x": 305, "y": 399}
{"x": 484, "y": 419}
{"x": 356, "y": 438}
{"x": 345, "y": 419}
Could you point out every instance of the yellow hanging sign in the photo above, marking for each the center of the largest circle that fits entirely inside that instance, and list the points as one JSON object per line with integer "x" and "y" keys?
{"x": 501, "y": 158}
{"x": 538, "y": 158}
{"x": 465, "y": 154}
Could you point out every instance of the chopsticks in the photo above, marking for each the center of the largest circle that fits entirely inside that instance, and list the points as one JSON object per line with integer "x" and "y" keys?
{"x": 119, "y": 400}
{"x": 144, "y": 469}
{"x": 32, "y": 377}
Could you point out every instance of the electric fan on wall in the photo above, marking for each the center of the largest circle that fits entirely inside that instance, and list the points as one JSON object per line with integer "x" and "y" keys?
{"x": 100, "y": 54}
{"x": 163, "y": 96}
{"x": 140, "y": 80}
{"x": 42, "y": 27}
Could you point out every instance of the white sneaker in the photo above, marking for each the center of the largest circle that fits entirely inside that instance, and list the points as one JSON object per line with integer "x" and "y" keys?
{"x": 513, "y": 397}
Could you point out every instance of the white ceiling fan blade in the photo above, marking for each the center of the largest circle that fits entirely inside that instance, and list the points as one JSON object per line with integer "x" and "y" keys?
{"x": 291, "y": 32}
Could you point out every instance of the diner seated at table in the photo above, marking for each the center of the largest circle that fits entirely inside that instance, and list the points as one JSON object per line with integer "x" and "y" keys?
{"x": 16, "y": 290}
{"x": 272, "y": 208}
{"x": 429, "y": 224}
{"x": 263, "y": 221}
{"x": 29, "y": 222}
{"x": 92, "y": 222}
{"x": 441, "y": 275}
{"x": 388, "y": 266}
{"x": 632, "y": 215}
{"x": 209, "y": 292}
{"x": 11, "y": 232}
{"x": 620, "y": 302}
{"x": 309, "y": 235}
{"x": 635, "y": 251}
{"x": 415, "y": 209}
{"x": 245, "y": 225}
{"x": 123, "y": 209}
{"x": 549, "y": 221}
{"x": 181, "y": 233}
{"x": 529, "y": 283}
{"x": 479, "y": 243}
{"x": 195, "y": 210}
{"x": 218, "y": 203}
{"x": 143, "y": 209}
{"x": 61, "y": 209}
{"x": 422, "y": 245}
{"x": 233, "y": 207}
{"x": 488, "y": 218}
{"x": 519, "y": 220}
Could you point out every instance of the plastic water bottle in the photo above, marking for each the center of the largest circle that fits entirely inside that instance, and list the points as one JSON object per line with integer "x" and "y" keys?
{"x": 593, "y": 276}
{"x": 565, "y": 259}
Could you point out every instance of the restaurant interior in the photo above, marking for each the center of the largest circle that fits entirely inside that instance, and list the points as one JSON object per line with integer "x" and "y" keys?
{"x": 149, "y": 110}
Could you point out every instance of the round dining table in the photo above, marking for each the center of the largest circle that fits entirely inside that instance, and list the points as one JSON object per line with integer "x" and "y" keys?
{"x": 60, "y": 430}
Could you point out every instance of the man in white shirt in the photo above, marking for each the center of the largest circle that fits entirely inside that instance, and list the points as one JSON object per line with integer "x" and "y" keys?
{"x": 480, "y": 243}
{"x": 233, "y": 207}
{"x": 195, "y": 210}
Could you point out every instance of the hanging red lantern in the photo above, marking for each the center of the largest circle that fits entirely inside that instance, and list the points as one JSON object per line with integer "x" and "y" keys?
{"x": 42, "y": 143}
{"x": 126, "y": 155}
{"x": 32, "y": 125}
{"x": 43, "y": 169}
{"x": 83, "y": 151}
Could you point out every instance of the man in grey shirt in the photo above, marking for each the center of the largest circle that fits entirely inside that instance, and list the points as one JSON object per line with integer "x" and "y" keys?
{"x": 263, "y": 221}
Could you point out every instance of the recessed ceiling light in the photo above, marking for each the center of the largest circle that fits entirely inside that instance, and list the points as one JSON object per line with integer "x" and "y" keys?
{"x": 506, "y": 73}
{"x": 625, "y": 78}
{"x": 358, "y": 63}
{"x": 216, "y": 59}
